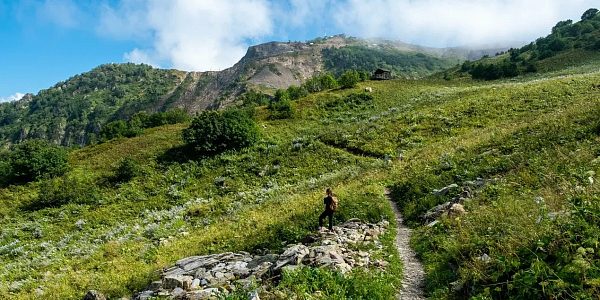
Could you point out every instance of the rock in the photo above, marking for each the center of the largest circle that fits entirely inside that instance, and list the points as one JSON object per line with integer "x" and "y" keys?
{"x": 145, "y": 295}
{"x": 437, "y": 211}
{"x": 177, "y": 281}
{"x": 445, "y": 190}
{"x": 253, "y": 296}
{"x": 94, "y": 295}
{"x": 209, "y": 293}
{"x": 484, "y": 258}
{"x": 195, "y": 284}
{"x": 155, "y": 285}
{"x": 431, "y": 224}
{"x": 178, "y": 293}
{"x": 456, "y": 210}
{"x": 336, "y": 249}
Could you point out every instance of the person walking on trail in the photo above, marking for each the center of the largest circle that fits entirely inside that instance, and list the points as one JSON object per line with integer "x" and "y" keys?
{"x": 331, "y": 204}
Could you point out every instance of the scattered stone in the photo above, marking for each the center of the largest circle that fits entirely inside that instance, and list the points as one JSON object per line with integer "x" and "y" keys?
{"x": 445, "y": 190}
{"x": 94, "y": 295}
{"x": 204, "y": 277}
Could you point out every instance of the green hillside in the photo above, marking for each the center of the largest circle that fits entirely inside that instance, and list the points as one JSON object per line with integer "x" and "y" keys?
{"x": 569, "y": 43}
{"x": 404, "y": 64}
{"x": 74, "y": 111}
{"x": 531, "y": 231}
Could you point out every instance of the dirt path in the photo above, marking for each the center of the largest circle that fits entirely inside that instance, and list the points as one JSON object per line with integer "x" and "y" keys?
{"x": 413, "y": 273}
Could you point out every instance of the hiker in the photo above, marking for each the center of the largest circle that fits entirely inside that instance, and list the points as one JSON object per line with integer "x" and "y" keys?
{"x": 331, "y": 204}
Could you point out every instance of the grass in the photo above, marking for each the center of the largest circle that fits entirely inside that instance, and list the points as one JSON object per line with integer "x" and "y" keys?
{"x": 533, "y": 137}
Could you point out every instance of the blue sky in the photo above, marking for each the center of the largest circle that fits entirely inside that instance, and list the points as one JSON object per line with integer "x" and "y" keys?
{"x": 46, "y": 41}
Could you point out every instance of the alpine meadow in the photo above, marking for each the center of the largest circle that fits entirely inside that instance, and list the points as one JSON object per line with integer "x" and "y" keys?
{"x": 456, "y": 174}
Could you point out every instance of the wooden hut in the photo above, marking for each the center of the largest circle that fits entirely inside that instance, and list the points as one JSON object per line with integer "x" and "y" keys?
{"x": 381, "y": 74}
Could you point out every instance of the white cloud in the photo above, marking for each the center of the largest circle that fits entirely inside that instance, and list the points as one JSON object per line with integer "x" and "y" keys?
{"x": 214, "y": 34}
{"x": 459, "y": 22}
{"x": 139, "y": 57}
{"x": 14, "y": 97}
{"x": 64, "y": 13}
{"x": 188, "y": 34}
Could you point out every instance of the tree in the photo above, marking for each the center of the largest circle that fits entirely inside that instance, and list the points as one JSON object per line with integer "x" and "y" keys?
{"x": 35, "y": 159}
{"x": 281, "y": 109}
{"x": 349, "y": 79}
{"x": 213, "y": 132}
{"x": 589, "y": 14}
{"x": 297, "y": 92}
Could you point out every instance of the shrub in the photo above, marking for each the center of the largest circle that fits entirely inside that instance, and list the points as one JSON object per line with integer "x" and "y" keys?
{"x": 320, "y": 83}
{"x": 281, "y": 109}
{"x": 297, "y": 92}
{"x": 117, "y": 129}
{"x": 33, "y": 160}
{"x": 127, "y": 169}
{"x": 214, "y": 132}
{"x": 349, "y": 79}
{"x": 252, "y": 98}
{"x": 77, "y": 187}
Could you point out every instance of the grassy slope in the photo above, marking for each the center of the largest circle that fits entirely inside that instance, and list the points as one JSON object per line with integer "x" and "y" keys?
{"x": 522, "y": 132}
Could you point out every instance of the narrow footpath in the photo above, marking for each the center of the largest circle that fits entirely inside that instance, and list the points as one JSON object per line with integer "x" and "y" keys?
{"x": 413, "y": 273}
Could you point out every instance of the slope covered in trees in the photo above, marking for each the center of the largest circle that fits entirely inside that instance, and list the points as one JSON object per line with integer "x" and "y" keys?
{"x": 566, "y": 36}
{"x": 73, "y": 112}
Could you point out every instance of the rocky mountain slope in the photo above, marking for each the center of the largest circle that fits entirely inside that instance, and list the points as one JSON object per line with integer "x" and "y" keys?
{"x": 74, "y": 111}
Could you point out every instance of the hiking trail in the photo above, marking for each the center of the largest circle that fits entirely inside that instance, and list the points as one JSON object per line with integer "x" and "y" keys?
{"x": 413, "y": 273}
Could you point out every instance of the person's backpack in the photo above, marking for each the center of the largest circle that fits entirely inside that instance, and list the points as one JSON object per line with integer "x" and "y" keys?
{"x": 334, "y": 203}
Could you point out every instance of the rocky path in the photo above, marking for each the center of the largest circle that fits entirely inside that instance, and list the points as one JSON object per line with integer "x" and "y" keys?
{"x": 414, "y": 275}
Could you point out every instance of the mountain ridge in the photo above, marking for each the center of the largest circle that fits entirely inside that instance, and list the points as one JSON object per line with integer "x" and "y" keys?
{"x": 73, "y": 111}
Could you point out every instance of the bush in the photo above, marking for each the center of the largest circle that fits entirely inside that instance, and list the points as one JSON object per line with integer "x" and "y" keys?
{"x": 33, "y": 160}
{"x": 78, "y": 188}
{"x": 297, "y": 92}
{"x": 281, "y": 109}
{"x": 320, "y": 83}
{"x": 213, "y": 132}
{"x": 127, "y": 169}
{"x": 252, "y": 98}
{"x": 117, "y": 129}
{"x": 349, "y": 79}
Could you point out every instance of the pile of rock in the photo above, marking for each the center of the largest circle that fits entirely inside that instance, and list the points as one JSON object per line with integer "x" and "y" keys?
{"x": 454, "y": 207}
{"x": 210, "y": 276}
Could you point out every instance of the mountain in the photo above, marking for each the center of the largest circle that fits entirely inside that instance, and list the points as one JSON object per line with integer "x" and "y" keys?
{"x": 74, "y": 111}
{"x": 522, "y": 156}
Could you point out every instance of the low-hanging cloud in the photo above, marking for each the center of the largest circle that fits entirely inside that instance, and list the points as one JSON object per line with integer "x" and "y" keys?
{"x": 188, "y": 34}
{"x": 214, "y": 34}
{"x": 444, "y": 23}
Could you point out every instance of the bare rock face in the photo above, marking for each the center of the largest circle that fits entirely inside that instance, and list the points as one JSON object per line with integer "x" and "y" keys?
{"x": 215, "y": 275}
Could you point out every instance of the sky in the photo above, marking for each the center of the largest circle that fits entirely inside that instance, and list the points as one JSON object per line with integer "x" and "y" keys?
{"x": 47, "y": 41}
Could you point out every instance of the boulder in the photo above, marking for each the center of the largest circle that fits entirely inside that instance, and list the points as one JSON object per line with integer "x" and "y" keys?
{"x": 94, "y": 295}
{"x": 177, "y": 281}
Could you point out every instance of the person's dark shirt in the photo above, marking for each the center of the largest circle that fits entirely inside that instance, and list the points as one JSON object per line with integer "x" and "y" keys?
{"x": 328, "y": 201}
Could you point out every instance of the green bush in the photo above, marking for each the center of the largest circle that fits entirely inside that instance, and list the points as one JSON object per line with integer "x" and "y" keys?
{"x": 214, "y": 132}
{"x": 78, "y": 188}
{"x": 280, "y": 109}
{"x": 33, "y": 160}
{"x": 297, "y": 92}
{"x": 349, "y": 79}
{"x": 127, "y": 169}
{"x": 117, "y": 129}
{"x": 320, "y": 83}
